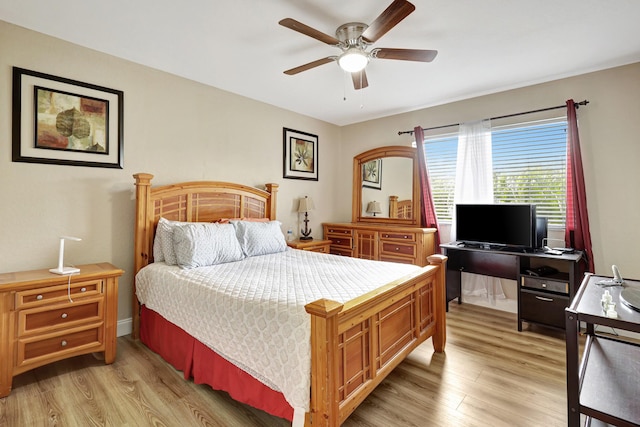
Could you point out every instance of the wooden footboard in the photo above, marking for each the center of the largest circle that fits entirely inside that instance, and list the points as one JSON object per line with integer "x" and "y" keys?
{"x": 354, "y": 346}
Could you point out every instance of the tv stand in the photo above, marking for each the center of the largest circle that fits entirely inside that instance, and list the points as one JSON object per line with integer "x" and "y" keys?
{"x": 541, "y": 299}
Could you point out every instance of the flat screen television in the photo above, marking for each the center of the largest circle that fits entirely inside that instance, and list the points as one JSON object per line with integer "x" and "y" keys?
{"x": 506, "y": 224}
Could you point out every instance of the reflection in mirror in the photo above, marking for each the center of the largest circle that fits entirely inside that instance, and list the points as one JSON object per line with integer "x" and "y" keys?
{"x": 383, "y": 178}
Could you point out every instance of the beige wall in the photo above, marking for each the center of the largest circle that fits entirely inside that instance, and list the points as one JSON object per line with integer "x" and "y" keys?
{"x": 174, "y": 128}
{"x": 181, "y": 130}
{"x": 610, "y": 141}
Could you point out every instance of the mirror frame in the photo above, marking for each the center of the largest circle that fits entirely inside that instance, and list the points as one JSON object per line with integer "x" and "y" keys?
{"x": 377, "y": 153}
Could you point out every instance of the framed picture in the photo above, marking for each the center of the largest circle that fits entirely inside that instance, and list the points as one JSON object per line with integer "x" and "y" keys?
{"x": 66, "y": 122}
{"x": 372, "y": 174}
{"x": 300, "y": 155}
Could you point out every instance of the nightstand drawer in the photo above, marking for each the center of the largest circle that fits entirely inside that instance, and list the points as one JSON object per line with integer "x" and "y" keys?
{"x": 42, "y": 296}
{"x": 322, "y": 249}
{"x": 54, "y": 346}
{"x": 398, "y": 249}
{"x": 62, "y": 315}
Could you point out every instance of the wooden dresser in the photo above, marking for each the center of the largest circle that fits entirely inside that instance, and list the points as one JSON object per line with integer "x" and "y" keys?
{"x": 45, "y": 317}
{"x": 406, "y": 244}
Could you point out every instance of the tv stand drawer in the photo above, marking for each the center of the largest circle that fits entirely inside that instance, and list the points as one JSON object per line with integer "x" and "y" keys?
{"x": 487, "y": 263}
{"x": 543, "y": 307}
{"x": 545, "y": 284}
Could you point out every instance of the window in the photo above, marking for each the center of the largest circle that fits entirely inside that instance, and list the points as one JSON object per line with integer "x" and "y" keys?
{"x": 529, "y": 166}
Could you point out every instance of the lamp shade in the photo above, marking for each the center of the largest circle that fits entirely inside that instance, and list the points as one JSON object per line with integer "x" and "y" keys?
{"x": 306, "y": 204}
{"x": 374, "y": 208}
{"x": 353, "y": 60}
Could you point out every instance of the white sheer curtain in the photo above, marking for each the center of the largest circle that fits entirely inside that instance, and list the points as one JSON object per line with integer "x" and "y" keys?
{"x": 474, "y": 184}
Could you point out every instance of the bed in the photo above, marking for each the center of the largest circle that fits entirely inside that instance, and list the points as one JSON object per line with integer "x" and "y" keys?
{"x": 352, "y": 343}
{"x": 400, "y": 208}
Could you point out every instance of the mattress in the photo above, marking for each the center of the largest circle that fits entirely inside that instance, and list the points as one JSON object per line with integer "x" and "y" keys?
{"x": 251, "y": 312}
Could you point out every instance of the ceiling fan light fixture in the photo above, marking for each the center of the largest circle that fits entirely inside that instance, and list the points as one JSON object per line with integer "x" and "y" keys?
{"x": 353, "y": 60}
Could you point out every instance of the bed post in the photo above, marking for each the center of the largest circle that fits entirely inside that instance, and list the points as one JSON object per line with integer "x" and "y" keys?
{"x": 141, "y": 241}
{"x": 273, "y": 190}
{"x": 324, "y": 410}
{"x": 440, "y": 337}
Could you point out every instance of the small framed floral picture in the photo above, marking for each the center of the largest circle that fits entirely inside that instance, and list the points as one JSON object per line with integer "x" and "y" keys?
{"x": 300, "y": 155}
{"x": 372, "y": 174}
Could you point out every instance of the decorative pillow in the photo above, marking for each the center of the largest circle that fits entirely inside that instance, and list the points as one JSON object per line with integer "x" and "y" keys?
{"x": 202, "y": 244}
{"x": 260, "y": 238}
{"x": 163, "y": 242}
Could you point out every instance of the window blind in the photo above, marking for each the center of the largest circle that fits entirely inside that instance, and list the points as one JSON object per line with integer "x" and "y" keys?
{"x": 529, "y": 166}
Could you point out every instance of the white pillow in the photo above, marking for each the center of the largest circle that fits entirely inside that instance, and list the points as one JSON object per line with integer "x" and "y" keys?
{"x": 201, "y": 244}
{"x": 260, "y": 238}
{"x": 163, "y": 241}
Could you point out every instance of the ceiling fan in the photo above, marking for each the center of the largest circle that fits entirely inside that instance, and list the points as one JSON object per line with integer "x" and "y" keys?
{"x": 354, "y": 38}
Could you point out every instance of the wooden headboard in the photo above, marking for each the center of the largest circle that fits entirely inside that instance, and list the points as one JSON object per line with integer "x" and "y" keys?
{"x": 400, "y": 208}
{"x": 196, "y": 201}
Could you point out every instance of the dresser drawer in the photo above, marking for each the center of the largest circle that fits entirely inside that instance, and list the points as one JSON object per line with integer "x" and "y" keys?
{"x": 55, "y": 346}
{"x": 41, "y": 319}
{"x": 43, "y": 296}
{"x": 341, "y": 242}
{"x": 402, "y": 260}
{"x": 398, "y": 249}
{"x": 341, "y": 251}
{"x": 407, "y": 237}
{"x": 340, "y": 231}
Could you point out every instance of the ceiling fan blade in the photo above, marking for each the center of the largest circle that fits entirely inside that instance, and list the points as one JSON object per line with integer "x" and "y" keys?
{"x": 396, "y": 12}
{"x": 310, "y": 65}
{"x": 420, "y": 55}
{"x": 308, "y": 31}
{"x": 359, "y": 80}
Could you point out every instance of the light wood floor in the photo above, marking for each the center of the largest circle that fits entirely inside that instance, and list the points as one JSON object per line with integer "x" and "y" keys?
{"x": 490, "y": 375}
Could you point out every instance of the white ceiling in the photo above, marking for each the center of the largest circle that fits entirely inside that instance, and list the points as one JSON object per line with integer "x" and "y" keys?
{"x": 237, "y": 45}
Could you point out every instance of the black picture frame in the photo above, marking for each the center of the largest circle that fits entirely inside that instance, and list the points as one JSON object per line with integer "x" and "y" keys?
{"x": 372, "y": 174}
{"x": 92, "y": 121}
{"x": 300, "y": 155}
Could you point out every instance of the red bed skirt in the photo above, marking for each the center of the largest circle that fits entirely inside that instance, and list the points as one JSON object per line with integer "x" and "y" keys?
{"x": 197, "y": 361}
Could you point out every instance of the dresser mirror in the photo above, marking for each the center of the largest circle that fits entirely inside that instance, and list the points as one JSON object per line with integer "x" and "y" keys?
{"x": 386, "y": 186}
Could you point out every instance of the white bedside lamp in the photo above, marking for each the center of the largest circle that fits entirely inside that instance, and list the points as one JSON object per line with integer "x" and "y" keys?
{"x": 374, "y": 208}
{"x": 61, "y": 268}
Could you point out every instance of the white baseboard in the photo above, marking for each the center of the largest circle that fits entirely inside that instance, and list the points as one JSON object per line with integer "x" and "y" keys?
{"x": 125, "y": 326}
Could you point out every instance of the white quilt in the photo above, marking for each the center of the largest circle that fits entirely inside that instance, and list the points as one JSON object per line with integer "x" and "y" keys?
{"x": 251, "y": 312}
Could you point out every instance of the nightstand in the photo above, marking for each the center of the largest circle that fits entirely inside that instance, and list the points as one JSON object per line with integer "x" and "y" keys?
{"x": 311, "y": 245}
{"x": 46, "y": 317}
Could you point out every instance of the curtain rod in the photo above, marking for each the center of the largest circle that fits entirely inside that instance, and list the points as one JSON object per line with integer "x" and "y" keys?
{"x": 577, "y": 104}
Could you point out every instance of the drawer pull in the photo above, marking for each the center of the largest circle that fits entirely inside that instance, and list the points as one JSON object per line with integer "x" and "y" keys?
{"x": 83, "y": 289}
{"x": 544, "y": 299}
{"x": 63, "y": 343}
{"x": 64, "y": 315}
{"x": 39, "y": 297}
{"x": 397, "y": 248}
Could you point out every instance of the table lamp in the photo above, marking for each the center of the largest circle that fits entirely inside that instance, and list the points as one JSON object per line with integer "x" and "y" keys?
{"x": 61, "y": 268}
{"x": 374, "y": 208}
{"x": 306, "y": 205}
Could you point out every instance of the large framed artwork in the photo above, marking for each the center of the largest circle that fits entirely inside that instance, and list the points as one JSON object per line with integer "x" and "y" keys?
{"x": 300, "y": 155}
{"x": 372, "y": 174}
{"x": 66, "y": 122}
